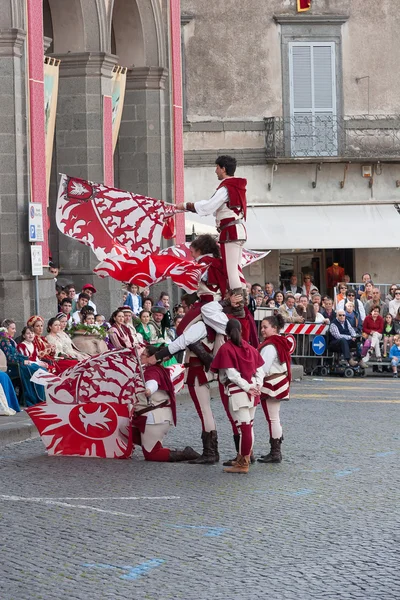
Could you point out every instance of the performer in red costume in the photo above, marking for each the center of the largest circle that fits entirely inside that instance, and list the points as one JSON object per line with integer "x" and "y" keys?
{"x": 276, "y": 358}
{"x": 239, "y": 367}
{"x": 229, "y": 206}
{"x": 155, "y": 414}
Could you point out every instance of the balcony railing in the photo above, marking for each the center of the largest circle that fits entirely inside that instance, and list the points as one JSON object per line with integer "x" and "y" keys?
{"x": 355, "y": 137}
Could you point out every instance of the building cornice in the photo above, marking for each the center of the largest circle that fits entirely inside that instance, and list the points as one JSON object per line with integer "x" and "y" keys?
{"x": 11, "y": 42}
{"x": 244, "y": 156}
{"x": 89, "y": 64}
{"x": 146, "y": 78}
{"x": 311, "y": 19}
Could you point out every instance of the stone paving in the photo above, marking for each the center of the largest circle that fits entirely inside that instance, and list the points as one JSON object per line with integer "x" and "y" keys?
{"x": 321, "y": 525}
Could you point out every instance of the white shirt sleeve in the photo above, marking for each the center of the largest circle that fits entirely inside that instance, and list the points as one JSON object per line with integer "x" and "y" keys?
{"x": 269, "y": 355}
{"x": 209, "y": 207}
{"x": 194, "y": 334}
{"x": 152, "y": 385}
{"x": 235, "y": 377}
{"x": 260, "y": 376}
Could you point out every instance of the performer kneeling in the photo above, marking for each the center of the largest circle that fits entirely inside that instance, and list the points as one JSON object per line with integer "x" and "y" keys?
{"x": 240, "y": 370}
{"x": 155, "y": 413}
{"x": 275, "y": 353}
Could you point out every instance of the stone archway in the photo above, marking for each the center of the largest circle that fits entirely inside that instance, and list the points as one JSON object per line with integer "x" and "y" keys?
{"x": 67, "y": 25}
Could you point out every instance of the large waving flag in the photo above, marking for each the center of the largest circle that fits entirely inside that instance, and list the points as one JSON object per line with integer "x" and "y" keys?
{"x": 110, "y": 220}
{"x": 183, "y": 251}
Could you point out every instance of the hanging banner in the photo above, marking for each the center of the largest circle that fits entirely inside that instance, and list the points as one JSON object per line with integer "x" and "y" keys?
{"x": 118, "y": 96}
{"x": 51, "y": 74}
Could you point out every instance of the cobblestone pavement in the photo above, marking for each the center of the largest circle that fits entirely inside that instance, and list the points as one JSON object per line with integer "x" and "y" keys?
{"x": 322, "y": 524}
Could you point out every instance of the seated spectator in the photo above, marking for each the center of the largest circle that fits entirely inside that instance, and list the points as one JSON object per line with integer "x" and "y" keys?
{"x": 308, "y": 286}
{"x": 60, "y": 294}
{"x": 45, "y": 351}
{"x": 328, "y": 312}
{"x": 89, "y": 290}
{"x": 143, "y": 326}
{"x": 71, "y": 291}
{"x": 372, "y": 333}
{"x": 269, "y": 291}
{"x": 19, "y": 365}
{"x": 100, "y": 321}
{"x": 120, "y": 335}
{"x": 254, "y": 291}
{"x": 391, "y": 293}
{"x": 270, "y": 303}
{"x": 28, "y": 348}
{"x": 64, "y": 343}
{"x": 145, "y": 293}
{"x": 342, "y": 289}
{"x": 279, "y": 299}
{"x": 376, "y": 301}
{"x": 66, "y": 308}
{"x": 83, "y": 300}
{"x": 394, "y": 305}
{"x": 396, "y": 322}
{"x": 157, "y": 333}
{"x": 128, "y": 314}
{"x": 293, "y": 287}
{"x": 365, "y": 279}
{"x": 346, "y": 279}
{"x": 296, "y": 298}
{"x": 148, "y": 304}
{"x": 316, "y": 298}
{"x": 134, "y": 299}
{"x": 259, "y": 300}
{"x": 64, "y": 361}
{"x": 164, "y": 302}
{"x": 394, "y": 355}
{"x": 388, "y": 334}
{"x": 88, "y": 317}
{"x": 178, "y": 311}
{"x": 318, "y": 317}
{"x": 288, "y": 311}
{"x": 352, "y": 317}
{"x": 343, "y": 338}
{"x": 305, "y": 309}
{"x": 8, "y": 400}
{"x": 367, "y": 293}
{"x": 358, "y": 305}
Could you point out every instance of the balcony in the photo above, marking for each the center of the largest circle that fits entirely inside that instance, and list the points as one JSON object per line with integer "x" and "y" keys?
{"x": 319, "y": 138}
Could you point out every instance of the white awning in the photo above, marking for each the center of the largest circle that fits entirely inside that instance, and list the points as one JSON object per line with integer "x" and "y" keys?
{"x": 323, "y": 226}
{"x": 200, "y": 226}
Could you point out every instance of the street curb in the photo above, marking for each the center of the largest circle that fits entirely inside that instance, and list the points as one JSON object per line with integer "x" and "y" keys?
{"x": 19, "y": 429}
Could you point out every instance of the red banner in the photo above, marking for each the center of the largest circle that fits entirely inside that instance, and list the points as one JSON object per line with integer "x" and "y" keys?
{"x": 303, "y": 5}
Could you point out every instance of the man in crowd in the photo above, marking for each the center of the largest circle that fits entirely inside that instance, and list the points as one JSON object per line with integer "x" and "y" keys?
{"x": 293, "y": 287}
{"x": 88, "y": 289}
{"x": 269, "y": 292}
{"x": 157, "y": 335}
{"x": 305, "y": 309}
{"x": 83, "y": 300}
{"x": 254, "y": 292}
{"x": 328, "y": 312}
{"x": 365, "y": 279}
{"x": 288, "y": 311}
{"x": 66, "y": 308}
{"x": 376, "y": 301}
{"x": 343, "y": 337}
{"x": 71, "y": 292}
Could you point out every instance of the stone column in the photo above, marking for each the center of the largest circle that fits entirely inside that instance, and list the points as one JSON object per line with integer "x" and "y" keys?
{"x": 16, "y": 283}
{"x": 144, "y": 146}
{"x": 85, "y": 78}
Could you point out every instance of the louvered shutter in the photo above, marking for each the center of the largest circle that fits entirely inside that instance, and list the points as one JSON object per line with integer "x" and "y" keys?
{"x": 312, "y": 99}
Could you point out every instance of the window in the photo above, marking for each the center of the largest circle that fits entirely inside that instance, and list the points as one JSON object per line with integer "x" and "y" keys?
{"x": 313, "y": 116}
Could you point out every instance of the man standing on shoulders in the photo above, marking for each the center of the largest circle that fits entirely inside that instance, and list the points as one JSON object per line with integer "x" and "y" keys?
{"x": 229, "y": 206}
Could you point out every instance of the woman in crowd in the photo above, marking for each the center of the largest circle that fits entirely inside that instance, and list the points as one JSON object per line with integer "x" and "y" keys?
{"x": 63, "y": 359}
{"x": 391, "y": 293}
{"x": 279, "y": 299}
{"x": 64, "y": 343}
{"x": 148, "y": 304}
{"x": 318, "y": 317}
{"x": 26, "y": 346}
{"x": 274, "y": 351}
{"x": 359, "y": 309}
{"x": 308, "y": 286}
{"x": 45, "y": 351}
{"x": 20, "y": 366}
{"x": 367, "y": 293}
{"x": 239, "y": 367}
{"x": 351, "y": 316}
{"x": 120, "y": 334}
{"x": 372, "y": 333}
{"x": 143, "y": 326}
{"x": 342, "y": 289}
{"x": 388, "y": 333}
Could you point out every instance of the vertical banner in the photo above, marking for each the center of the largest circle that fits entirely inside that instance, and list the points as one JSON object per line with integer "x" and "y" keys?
{"x": 118, "y": 96}
{"x": 108, "y": 154}
{"x": 177, "y": 114}
{"x": 36, "y": 121}
{"x": 51, "y": 73}
{"x": 303, "y": 5}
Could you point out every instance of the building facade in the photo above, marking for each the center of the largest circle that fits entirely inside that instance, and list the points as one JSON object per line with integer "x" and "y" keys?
{"x": 309, "y": 103}
{"x": 89, "y": 38}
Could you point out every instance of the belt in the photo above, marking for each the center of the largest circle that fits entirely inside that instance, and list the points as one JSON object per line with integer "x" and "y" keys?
{"x": 236, "y": 222}
{"x": 151, "y": 407}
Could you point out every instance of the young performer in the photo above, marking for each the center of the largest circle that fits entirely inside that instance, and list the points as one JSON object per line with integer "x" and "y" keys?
{"x": 239, "y": 366}
{"x": 276, "y": 358}
{"x": 229, "y": 206}
{"x": 155, "y": 414}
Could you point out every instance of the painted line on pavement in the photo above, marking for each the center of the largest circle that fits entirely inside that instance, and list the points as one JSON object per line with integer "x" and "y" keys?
{"x": 133, "y": 572}
{"x": 210, "y": 530}
{"x": 381, "y": 454}
{"x": 109, "y": 498}
{"x": 346, "y": 472}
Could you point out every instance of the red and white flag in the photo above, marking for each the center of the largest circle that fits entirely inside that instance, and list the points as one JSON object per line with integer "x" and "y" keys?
{"x": 97, "y": 430}
{"x": 153, "y": 269}
{"x": 183, "y": 251}
{"x": 110, "y": 220}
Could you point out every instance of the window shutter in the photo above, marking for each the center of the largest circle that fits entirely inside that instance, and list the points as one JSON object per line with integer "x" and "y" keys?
{"x": 313, "y": 99}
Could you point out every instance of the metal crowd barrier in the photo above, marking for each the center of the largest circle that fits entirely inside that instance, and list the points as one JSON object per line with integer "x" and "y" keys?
{"x": 304, "y": 334}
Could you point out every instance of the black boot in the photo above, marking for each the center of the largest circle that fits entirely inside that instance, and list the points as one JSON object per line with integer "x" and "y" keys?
{"x": 275, "y": 456}
{"x": 209, "y": 456}
{"x": 236, "y": 439}
{"x": 180, "y": 455}
{"x": 201, "y": 353}
{"x": 214, "y": 443}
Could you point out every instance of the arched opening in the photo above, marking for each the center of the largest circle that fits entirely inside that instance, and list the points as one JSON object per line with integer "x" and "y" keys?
{"x": 63, "y": 22}
{"x": 127, "y": 39}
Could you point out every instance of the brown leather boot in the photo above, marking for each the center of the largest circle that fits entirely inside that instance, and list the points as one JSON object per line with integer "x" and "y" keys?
{"x": 180, "y": 455}
{"x": 275, "y": 456}
{"x": 210, "y": 454}
{"x": 201, "y": 353}
{"x": 242, "y": 465}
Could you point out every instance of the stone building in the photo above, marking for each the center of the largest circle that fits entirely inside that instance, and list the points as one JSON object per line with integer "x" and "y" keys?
{"x": 309, "y": 103}
{"x": 89, "y": 37}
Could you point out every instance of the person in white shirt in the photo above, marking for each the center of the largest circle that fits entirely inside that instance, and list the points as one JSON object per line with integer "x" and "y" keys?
{"x": 89, "y": 290}
{"x": 83, "y": 300}
{"x": 394, "y": 305}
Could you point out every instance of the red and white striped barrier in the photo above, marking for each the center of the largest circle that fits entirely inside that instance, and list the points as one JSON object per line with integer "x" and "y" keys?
{"x": 305, "y": 329}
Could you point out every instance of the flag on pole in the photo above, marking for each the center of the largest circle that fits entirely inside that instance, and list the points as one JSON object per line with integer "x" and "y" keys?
{"x": 303, "y": 5}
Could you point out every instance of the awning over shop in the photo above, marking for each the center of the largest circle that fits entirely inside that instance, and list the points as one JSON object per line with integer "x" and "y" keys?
{"x": 200, "y": 226}
{"x": 323, "y": 226}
